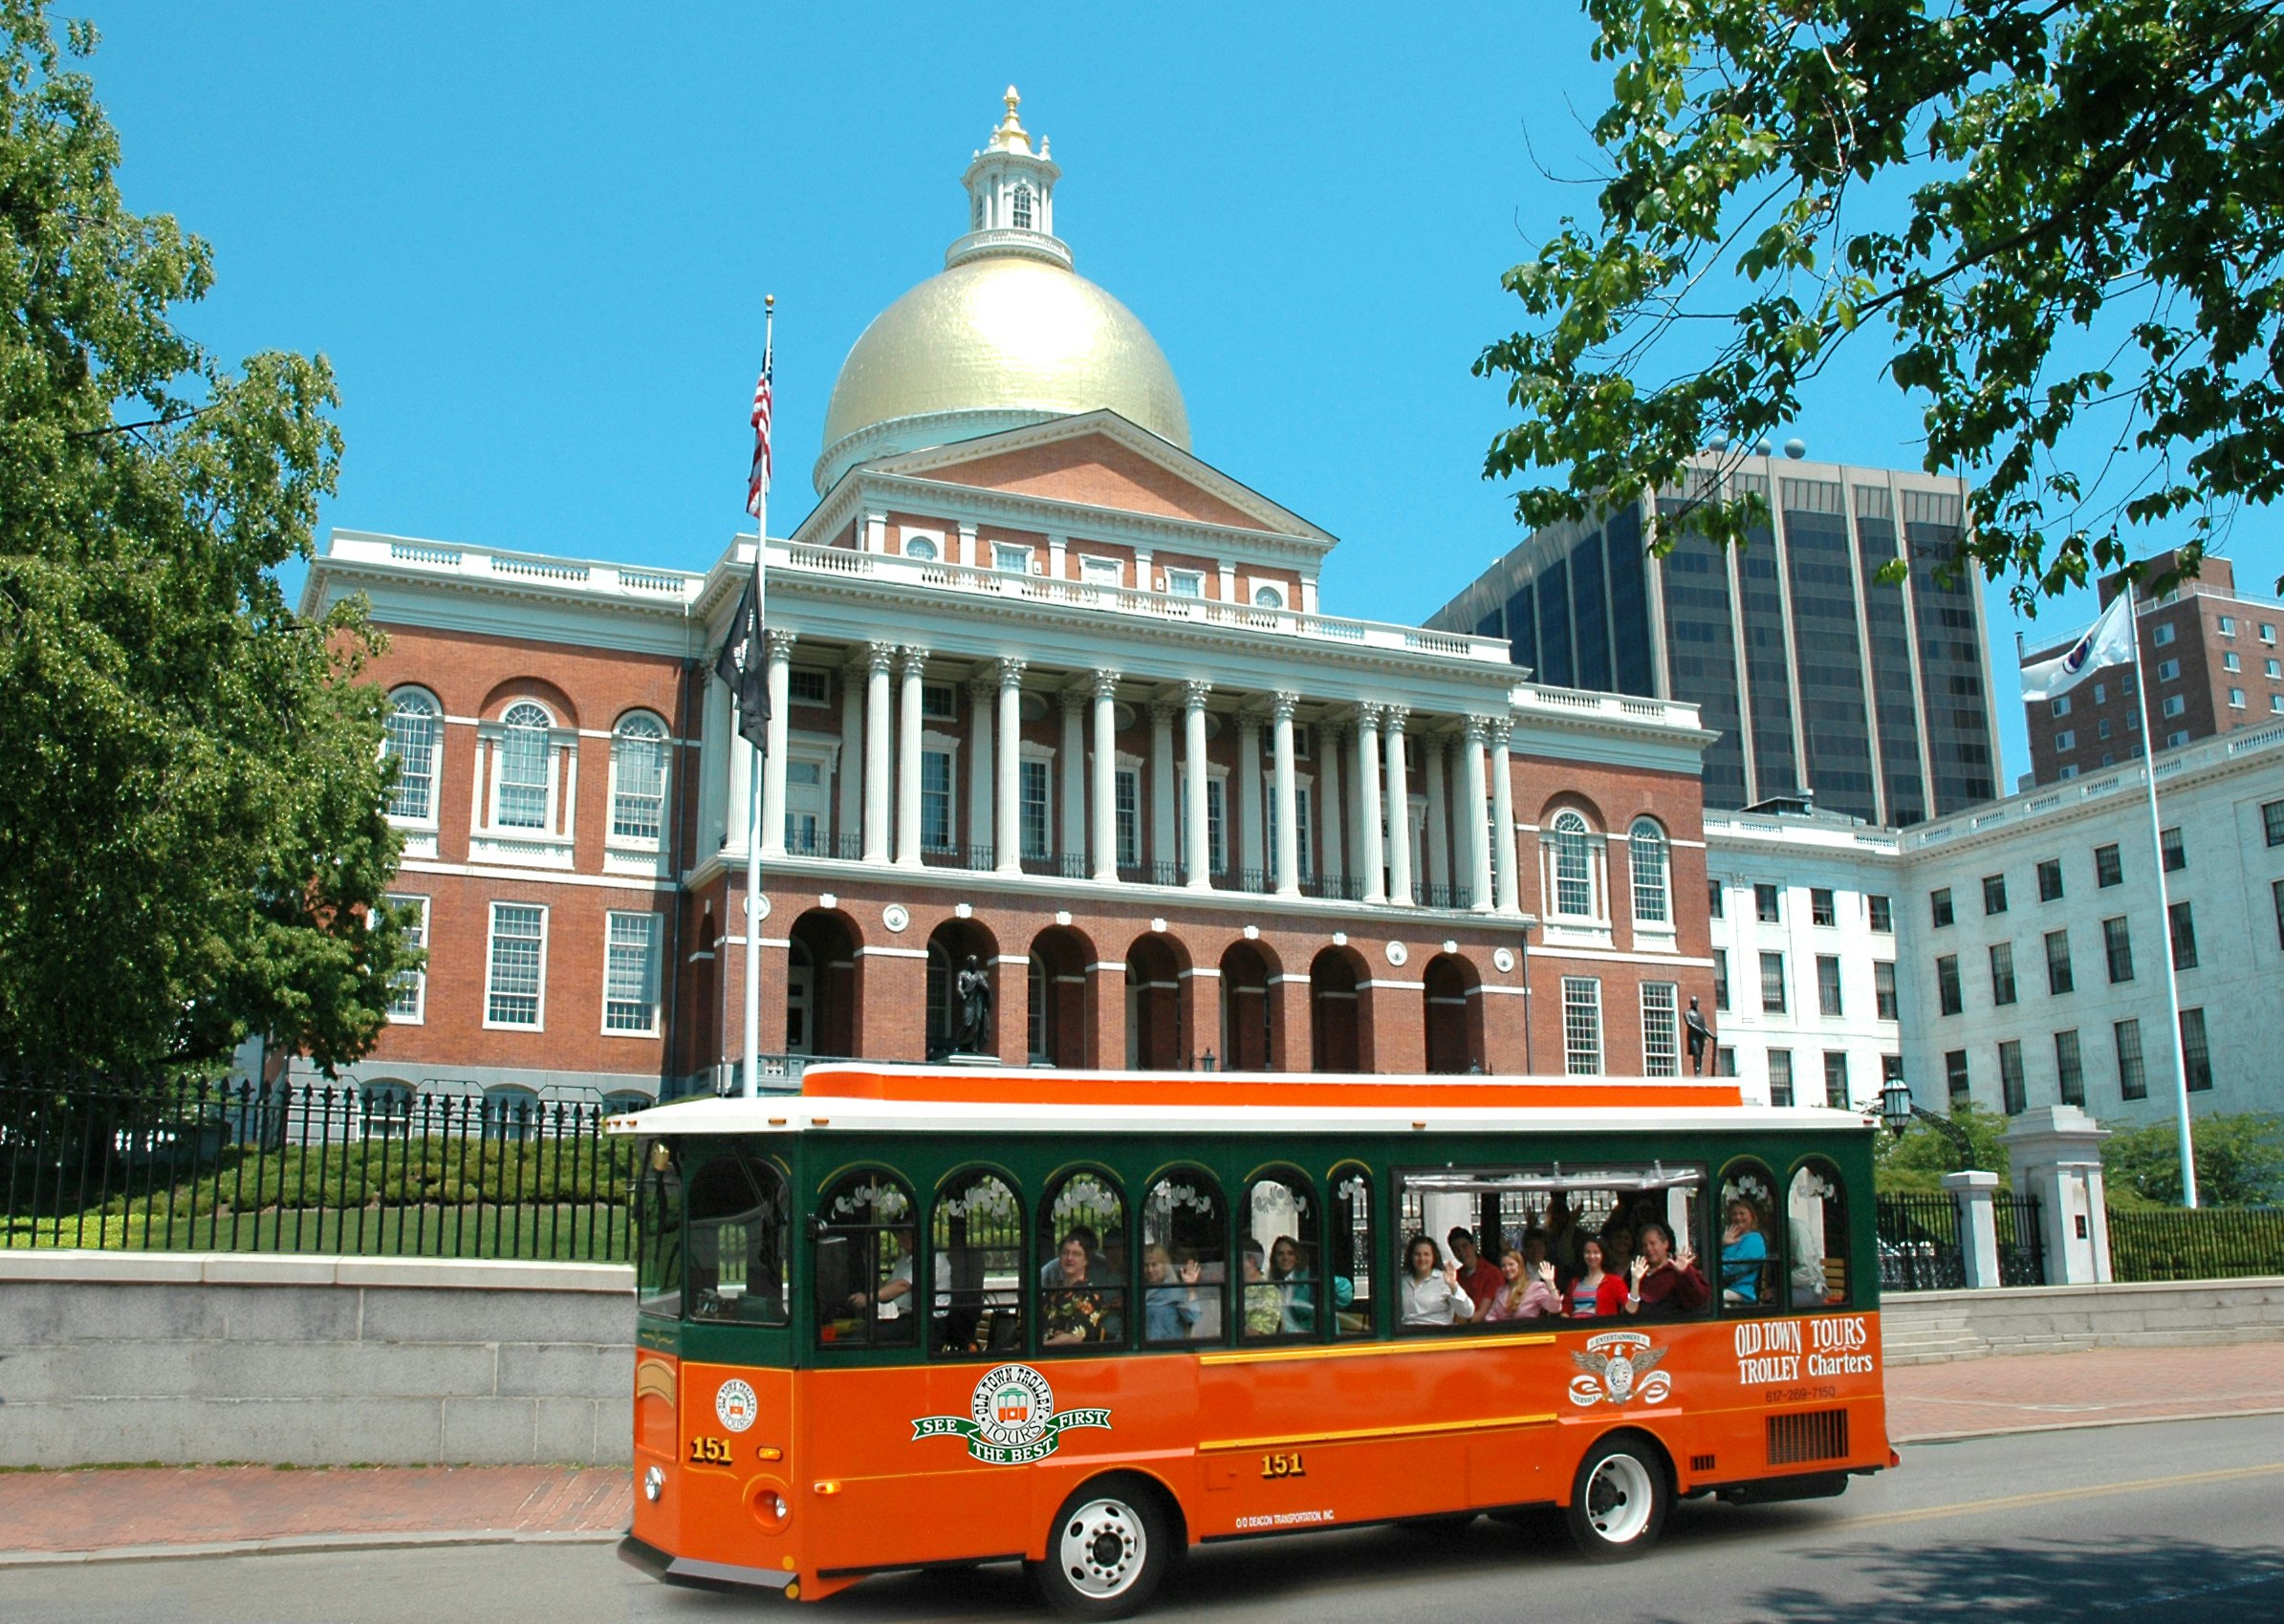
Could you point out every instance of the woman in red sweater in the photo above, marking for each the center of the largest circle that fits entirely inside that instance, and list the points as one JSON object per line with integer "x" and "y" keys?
{"x": 1594, "y": 1294}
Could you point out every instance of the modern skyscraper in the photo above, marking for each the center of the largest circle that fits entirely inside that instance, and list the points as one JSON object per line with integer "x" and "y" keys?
{"x": 1820, "y": 678}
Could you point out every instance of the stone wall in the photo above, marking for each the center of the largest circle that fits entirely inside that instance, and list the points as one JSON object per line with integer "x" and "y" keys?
{"x": 1927, "y": 1327}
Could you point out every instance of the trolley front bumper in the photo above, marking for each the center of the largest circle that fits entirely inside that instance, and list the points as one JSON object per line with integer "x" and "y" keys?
{"x": 700, "y": 1575}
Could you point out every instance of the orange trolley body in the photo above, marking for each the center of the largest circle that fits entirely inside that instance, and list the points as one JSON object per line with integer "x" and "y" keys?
{"x": 777, "y": 1456}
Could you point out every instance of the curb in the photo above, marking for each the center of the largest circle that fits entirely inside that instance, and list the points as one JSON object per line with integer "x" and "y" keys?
{"x": 294, "y": 1544}
{"x": 2088, "y": 1422}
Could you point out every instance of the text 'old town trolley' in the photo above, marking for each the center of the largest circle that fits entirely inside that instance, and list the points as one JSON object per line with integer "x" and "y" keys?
{"x": 914, "y": 1316}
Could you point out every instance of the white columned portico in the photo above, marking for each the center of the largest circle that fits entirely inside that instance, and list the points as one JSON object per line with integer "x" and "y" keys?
{"x": 907, "y": 758}
{"x": 1008, "y": 859}
{"x": 879, "y": 660}
{"x": 1501, "y": 801}
{"x": 1473, "y": 815}
{"x": 773, "y": 770}
{"x": 1252, "y": 859}
{"x": 1331, "y": 809}
{"x": 1371, "y": 849}
{"x": 1288, "y": 798}
{"x": 1439, "y": 825}
{"x": 849, "y": 790}
{"x": 1400, "y": 811}
{"x": 1073, "y": 786}
{"x": 1107, "y": 776}
{"x": 1197, "y": 840}
{"x": 1164, "y": 854}
{"x": 983, "y": 698}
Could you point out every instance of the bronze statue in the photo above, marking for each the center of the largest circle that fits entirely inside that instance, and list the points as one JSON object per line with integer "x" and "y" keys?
{"x": 1701, "y": 1038}
{"x": 972, "y": 989}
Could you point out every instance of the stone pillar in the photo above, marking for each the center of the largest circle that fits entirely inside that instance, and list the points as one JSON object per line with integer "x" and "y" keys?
{"x": 1106, "y": 791}
{"x": 1197, "y": 842}
{"x": 907, "y": 758}
{"x": 1372, "y": 850}
{"x": 879, "y": 659}
{"x": 1474, "y": 818}
{"x": 983, "y": 701}
{"x": 1073, "y": 781}
{"x": 779, "y": 675}
{"x": 1332, "y": 809}
{"x": 2056, "y": 1153}
{"x": 1399, "y": 812}
{"x": 1164, "y": 852}
{"x": 1008, "y": 859}
{"x": 1502, "y": 802}
{"x": 1288, "y": 802}
{"x": 1439, "y": 820}
{"x": 1252, "y": 857}
{"x": 1978, "y": 1225}
{"x": 849, "y": 790}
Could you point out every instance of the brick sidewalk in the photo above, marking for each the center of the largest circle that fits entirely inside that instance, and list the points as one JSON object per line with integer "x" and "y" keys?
{"x": 153, "y": 1510}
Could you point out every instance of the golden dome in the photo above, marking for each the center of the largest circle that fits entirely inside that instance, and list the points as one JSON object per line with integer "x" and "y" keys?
{"x": 995, "y": 342}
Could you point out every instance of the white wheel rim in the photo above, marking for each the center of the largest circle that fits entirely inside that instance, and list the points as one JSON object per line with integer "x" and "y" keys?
{"x": 1617, "y": 1498}
{"x": 1102, "y": 1547}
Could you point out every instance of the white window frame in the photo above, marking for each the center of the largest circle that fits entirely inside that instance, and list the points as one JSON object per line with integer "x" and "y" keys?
{"x": 796, "y": 676}
{"x": 611, "y": 921}
{"x": 492, "y": 965}
{"x": 416, "y": 982}
{"x": 1126, "y": 798}
{"x": 1661, "y": 1029}
{"x": 1583, "y": 998}
{"x": 946, "y": 745}
{"x": 1004, "y": 555}
{"x": 2066, "y": 739}
{"x": 932, "y": 540}
{"x": 2168, "y": 670}
{"x": 2162, "y": 634}
{"x": 2174, "y": 704}
{"x": 2237, "y": 699}
{"x": 1184, "y": 583}
{"x": 1569, "y": 832}
{"x": 1042, "y": 758}
{"x": 1097, "y": 571}
{"x": 1647, "y": 834}
{"x": 432, "y": 771}
{"x": 664, "y": 739}
{"x": 1269, "y": 595}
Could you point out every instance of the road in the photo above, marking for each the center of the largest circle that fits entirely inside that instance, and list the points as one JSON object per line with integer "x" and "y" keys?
{"x": 2174, "y": 1522}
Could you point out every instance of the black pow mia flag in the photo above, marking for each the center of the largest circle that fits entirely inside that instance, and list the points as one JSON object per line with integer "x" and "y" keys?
{"x": 740, "y": 665}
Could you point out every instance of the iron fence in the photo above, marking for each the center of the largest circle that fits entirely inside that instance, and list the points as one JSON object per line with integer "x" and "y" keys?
{"x": 165, "y": 1164}
{"x": 2208, "y": 1243}
{"x": 2021, "y": 1240}
{"x": 1919, "y": 1244}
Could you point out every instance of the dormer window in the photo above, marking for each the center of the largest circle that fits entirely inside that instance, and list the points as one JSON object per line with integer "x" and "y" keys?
{"x": 1022, "y": 209}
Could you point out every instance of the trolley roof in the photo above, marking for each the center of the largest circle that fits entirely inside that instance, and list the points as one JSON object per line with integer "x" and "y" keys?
{"x": 863, "y": 1099}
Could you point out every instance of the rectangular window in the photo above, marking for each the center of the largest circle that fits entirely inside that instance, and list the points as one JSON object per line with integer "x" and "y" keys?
{"x": 2009, "y": 1077}
{"x": 2117, "y": 940}
{"x": 2050, "y": 880}
{"x": 2272, "y": 669}
{"x": 2069, "y": 1071}
{"x": 2185, "y": 936}
{"x": 1712, "y": 898}
{"x": 1721, "y": 966}
{"x": 1780, "y": 1076}
{"x": 1828, "y": 986}
{"x": 806, "y": 686}
{"x": 2066, "y": 739}
{"x": 1185, "y": 583}
{"x": 1994, "y": 893}
{"x": 1836, "y": 1079}
{"x": 1765, "y": 904}
{"x": 1939, "y": 907}
{"x": 630, "y": 974}
{"x": 1217, "y": 825}
{"x": 1724, "y": 1061}
{"x": 935, "y": 800}
{"x": 2196, "y": 1058}
{"x": 1773, "y": 984}
{"x": 410, "y": 739}
{"x": 517, "y": 971}
{"x": 1101, "y": 572}
{"x": 1581, "y": 1025}
{"x": 2059, "y": 707}
{"x": 1947, "y": 1000}
{"x": 1955, "y": 1077}
{"x": 2101, "y": 730}
{"x": 1015, "y": 560}
{"x": 2276, "y": 893}
{"x": 2268, "y": 632}
{"x": 2168, "y": 670}
{"x": 2230, "y": 662}
{"x": 2108, "y": 871}
{"x": 2237, "y": 699}
{"x": 939, "y": 702}
{"x": 1036, "y": 824}
{"x": 2060, "y": 977}
{"x": 2132, "y": 1082}
{"x": 409, "y": 992}
{"x": 2227, "y": 625}
{"x": 1128, "y": 783}
{"x": 1883, "y": 989}
{"x": 2174, "y": 706}
{"x": 1661, "y": 1029}
{"x": 2002, "y": 973}
{"x": 1822, "y": 909}
{"x": 2163, "y": 636}
{"x": 1882, "y": 914}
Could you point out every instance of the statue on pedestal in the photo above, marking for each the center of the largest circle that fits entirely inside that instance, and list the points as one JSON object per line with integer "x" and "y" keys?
{"x": 971, "y": 994}
{"x": 1700, "y": 1038}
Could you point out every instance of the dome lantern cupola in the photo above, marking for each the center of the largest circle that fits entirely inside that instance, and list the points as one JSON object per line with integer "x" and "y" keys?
{"x": 1010, "y": 198}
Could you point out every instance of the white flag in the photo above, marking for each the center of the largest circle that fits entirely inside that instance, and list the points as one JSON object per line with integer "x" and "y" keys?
{"x": 2108, "y": 641}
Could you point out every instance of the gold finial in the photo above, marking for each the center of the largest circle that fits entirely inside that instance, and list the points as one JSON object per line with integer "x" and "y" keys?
{"x": 1013, "y": 101}
{"x": 1010, "y": 135}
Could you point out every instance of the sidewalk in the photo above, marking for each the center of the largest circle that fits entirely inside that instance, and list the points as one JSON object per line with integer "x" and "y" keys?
{"x": 150, "y": 1511}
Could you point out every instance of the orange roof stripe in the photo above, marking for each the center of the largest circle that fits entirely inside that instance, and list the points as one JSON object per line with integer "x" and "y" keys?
{"x": 1191, "y": 1088}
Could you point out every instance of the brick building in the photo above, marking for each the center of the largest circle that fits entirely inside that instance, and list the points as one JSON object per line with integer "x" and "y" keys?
{"x": 1048, "y": 690}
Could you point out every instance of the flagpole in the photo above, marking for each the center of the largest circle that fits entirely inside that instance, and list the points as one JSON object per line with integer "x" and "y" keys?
{"x": 761, "y": 542}
{"x": 2164, "y": 918}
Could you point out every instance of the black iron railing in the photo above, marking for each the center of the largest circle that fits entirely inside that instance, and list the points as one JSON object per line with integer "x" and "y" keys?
{"x": 2208, "y": 1243}
{"x": 1919, "y": 1244}
{"x": 2021, "y": 1240}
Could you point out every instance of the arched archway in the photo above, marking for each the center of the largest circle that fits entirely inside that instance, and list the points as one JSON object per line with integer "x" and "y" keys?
{"x": 1157, "y": 1037}
{"x": 820, "y": 985}
{"x": 1339, "y": 1014}
{"x": 950, "y": 945}
{"x": 1246, "y": 1009}
{"x": 1453, "y": 996}
{"x": 1062, "y": 1025}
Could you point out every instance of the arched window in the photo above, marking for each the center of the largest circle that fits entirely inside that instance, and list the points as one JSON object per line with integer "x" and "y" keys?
{"x": 512, "y": 1112}
{"x": 977, "y": 1231}
{"x": 920, "y": 547}
{"x": 1816, "y": 1238}
{"x": 1022, "y": 209}
{"x": 864, "y": 1261}
{"x": 1646, "y": 856}
{"x": 625, "y": 1102}
{"x": 1280, "y": 1219}
{"x": 1749, "y": 1240}
{"x": 1186, "y": 1259}
{"x": 1350, "y": 1250}
{"x": 387, "y": 1109}
{"x": 1083, "y": 1277}
{"x": 1268, "y": 597}
{"x": 1574, "y": 866}
{"x": 638, "y": 777}
{"x": 523, "y": 769}
{"x": 1037, "y": 989}
{"x": 738, "y": 1218}
{"x": 415, "y": 724}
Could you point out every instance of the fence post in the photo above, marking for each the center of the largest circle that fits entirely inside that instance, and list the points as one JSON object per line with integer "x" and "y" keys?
{"x": 2056, "y": 1153}
{"x": 1978, "y": 1227}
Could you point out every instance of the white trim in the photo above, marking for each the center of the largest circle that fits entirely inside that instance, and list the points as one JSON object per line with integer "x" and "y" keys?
{"x": 1399, "y": 986}
{"x": 479, "y": 871}
{"x": 655, "y": 1029}
{"x": 892, "y": 952}
{"x": 420, "y": 1015}
{"x": 490, "y": 939}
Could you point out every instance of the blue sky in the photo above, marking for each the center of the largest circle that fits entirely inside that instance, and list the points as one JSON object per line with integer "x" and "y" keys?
{"x": 534, "y": 239}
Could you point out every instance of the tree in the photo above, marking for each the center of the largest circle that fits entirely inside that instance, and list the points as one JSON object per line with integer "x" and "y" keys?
{"x": 1918, "y": 1158}
{"x": 2240, "y": 1161}
{"x": 2089, "y": 246}
{"x": 192, "y": 831}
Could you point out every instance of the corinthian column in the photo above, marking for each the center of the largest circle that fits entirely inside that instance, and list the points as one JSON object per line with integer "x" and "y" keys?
{"x": 1106, "y": 776}
{"x": 1194, "y": 825}
{"x": 1474, "y": 818}
{"x": 1010, "y": 859}
{"x": 1400, "y": 812}
{"x": 1287, "y": 793}
{"x": 773, "y": 770}
{"x": 1367, "y": 779}
{"x": 1502, "y": 800}
{"x": 879, "y": 659}
{"x": 907, "y": 759}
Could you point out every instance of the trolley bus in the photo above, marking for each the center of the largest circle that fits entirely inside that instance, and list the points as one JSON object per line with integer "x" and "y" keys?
{"x": 917, "y": 1316}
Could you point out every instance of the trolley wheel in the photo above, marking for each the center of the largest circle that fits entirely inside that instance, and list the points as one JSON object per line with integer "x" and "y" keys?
{"x": 1619, "y": 1503}
{"x": 1107, "y": 1552}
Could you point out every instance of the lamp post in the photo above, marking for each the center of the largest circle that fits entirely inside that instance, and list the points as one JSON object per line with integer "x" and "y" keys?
{"x": 1898, "y": 1110}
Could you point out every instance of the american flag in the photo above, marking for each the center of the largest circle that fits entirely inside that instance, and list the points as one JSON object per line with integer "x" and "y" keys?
{"x": 757, "y": 482}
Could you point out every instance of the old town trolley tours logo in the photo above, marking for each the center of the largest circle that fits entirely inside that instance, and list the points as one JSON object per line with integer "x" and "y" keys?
{"x": 1014, "y": 1420}
{"x": 1616, "y": 1366}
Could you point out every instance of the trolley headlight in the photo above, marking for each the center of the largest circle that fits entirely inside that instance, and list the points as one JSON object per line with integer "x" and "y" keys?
{"x": 654, "y": 1482}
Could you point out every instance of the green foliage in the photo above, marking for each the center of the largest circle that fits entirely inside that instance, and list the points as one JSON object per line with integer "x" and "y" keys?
{"x": 192, "y": 838}
{"x": 2210, "y": 1244}
{"x": 1917, "y": 1161}
{"x": 2240, "y": 1161}
{"x": 2086, "y": 178}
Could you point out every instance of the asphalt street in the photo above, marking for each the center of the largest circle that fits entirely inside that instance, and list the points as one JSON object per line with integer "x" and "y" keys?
{"x": 2172, "y": 1521}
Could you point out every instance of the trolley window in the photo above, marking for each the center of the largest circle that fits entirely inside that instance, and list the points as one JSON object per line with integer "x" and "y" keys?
{"x": 737, "y": 1214}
